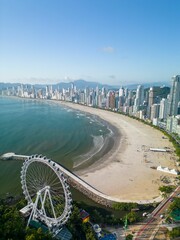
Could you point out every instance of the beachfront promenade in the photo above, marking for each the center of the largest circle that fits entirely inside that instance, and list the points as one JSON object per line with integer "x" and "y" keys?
{"x": 82, "y": 186}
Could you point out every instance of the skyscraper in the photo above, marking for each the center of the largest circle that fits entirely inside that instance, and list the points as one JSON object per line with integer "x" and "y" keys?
{"x": 121, "y": 97}
{"x": 155, "y": 111}
{"x": 163, "y": 108}
{"x": 174, "y": 98}
{"x": 151, "y": 99}
{"x": 139, "y": 98}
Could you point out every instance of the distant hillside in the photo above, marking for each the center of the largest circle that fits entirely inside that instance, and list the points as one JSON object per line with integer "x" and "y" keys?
{"x": 8, "y": 85}
{"x": 81, "y": 84}
{"x": 160, "y": 92}
{"x": 148, "y": 85}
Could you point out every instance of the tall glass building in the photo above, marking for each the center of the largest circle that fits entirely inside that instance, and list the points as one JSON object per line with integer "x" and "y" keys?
{"x": 174, "y": 98}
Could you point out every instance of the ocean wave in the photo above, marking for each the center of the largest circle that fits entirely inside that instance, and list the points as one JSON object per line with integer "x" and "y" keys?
{"x": 80, "y": 114}
{"x": 111, "y": 133}
{"x": 98, "y": 143}
{"x": 69, "y": 110}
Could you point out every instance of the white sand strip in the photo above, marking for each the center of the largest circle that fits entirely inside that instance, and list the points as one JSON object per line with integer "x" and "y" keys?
{"x": 127, "y": 173}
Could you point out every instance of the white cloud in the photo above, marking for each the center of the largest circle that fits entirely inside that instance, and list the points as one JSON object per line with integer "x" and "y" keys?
{"x": 108, "y": 49}
{"x": 68, "y": 79}
{"x": 112, "y": 76}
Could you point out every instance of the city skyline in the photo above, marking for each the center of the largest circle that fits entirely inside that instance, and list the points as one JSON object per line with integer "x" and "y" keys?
{"x": 158, "y": 104}
{"x": 100, "y": 41}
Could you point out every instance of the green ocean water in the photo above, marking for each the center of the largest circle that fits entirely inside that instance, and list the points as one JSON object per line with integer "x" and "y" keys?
{"x": 30, "y": 126}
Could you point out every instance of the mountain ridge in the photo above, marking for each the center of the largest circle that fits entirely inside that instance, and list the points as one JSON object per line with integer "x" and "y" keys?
{"x": 81, "y": 84}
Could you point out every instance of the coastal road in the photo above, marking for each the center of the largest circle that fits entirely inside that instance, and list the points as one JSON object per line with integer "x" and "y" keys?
{"x": 152, "y": 224}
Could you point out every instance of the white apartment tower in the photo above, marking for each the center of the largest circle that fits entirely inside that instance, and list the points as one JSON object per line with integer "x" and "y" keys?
{"x": 155, "y": 111}
{"x": 139, "y": 98}
{"x": 121, "y": 92}
{"x": 174, "y": 98}
{"x": 163, "y": 112}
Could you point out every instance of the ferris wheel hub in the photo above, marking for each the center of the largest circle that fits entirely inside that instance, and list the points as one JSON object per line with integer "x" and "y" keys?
{"x": 43, "y": 189}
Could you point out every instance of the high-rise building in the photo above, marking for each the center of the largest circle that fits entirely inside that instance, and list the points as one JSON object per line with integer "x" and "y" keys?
{"x": 155, "y": 111}
{"x": 174, "y": 98}
{"x": 86, "y": 92}
{"x": 173, "y": 124}
{"x": 111, "y": 100}
{"x": 47, "y": 91}
{"x": 151, "y": 99}
{"x": 103, "y": 92}
{"x": 139, "y": 98}
{"x": 129, "y": 100}
{"x": 163, "y": 112}
{"x": 121, "y": 97}
{"x": 126, "y": 92}
{"x": 140, "y": 95}
{"x": 121, "y": 92}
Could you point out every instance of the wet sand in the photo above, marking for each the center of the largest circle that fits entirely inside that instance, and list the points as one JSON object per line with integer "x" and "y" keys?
{"x": 126, "y": 172}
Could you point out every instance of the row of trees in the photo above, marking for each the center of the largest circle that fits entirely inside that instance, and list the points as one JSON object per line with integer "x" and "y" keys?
{"x": 175, "y": 206}
{"x": 166, "y": 189}
{"x": 13, "y": 225}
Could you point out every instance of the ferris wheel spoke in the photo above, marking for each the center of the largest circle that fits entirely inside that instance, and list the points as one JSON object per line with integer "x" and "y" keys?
{"x": 54, "y": 181}
{"x": 33, "y": 175}
{"x": 59, "y": 195}
{"x": 48, "y": 175}
{"x": 33, "y": 183}
{"x": 57, "y": 189}
{"x": 51, "y": 176}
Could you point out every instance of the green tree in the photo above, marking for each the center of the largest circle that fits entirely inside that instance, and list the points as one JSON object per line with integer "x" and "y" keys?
{"x": 175, "y": 205}
{"x": 129, "y": 237}
{"x": 175, "y": 233}
{"x": 124, "y": 206}
{"x": 37, "y": 234}
{"x": 89, "y": 233}
{"x": 97, "y": 217}
{"x": 31, "y": 237}
{"x": 166, "y": 189}
{"x": 132, "y": 217}
{"x": 12, "y": 224}
{"x": 75, "y": 225}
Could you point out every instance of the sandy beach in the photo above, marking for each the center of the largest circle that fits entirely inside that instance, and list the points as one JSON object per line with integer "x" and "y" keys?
{"x": 126, "y": 173}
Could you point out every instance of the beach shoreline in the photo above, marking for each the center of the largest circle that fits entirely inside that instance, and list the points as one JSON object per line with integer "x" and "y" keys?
{"x": 127, "y": 171}
{"x": 109, "y": 145}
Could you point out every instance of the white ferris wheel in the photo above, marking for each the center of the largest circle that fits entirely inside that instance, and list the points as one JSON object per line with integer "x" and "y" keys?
{"x": 46, "y": 190}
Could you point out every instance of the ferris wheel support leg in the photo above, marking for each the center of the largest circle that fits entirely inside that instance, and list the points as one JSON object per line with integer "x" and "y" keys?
{"x": 43, "y": 202}
{"x": 32, "y": 215}
{"x": 51, "y": 203}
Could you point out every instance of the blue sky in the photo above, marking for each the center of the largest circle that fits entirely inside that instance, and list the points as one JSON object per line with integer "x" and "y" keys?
{"x": 109, "y": 41}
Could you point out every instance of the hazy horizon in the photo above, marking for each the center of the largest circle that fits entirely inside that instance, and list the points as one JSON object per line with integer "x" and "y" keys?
{"x": 167, "y": 83}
